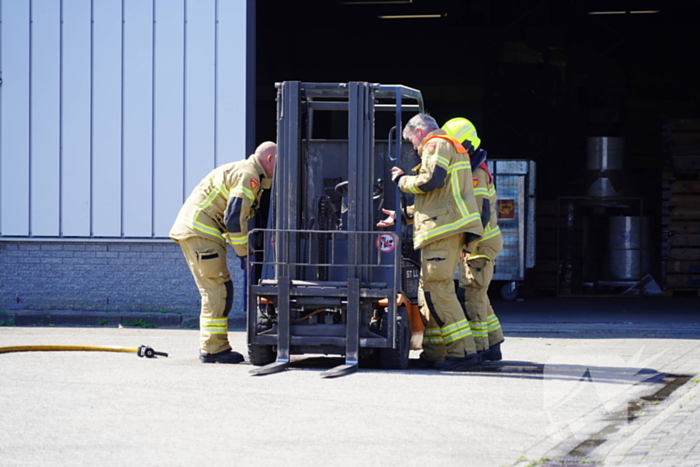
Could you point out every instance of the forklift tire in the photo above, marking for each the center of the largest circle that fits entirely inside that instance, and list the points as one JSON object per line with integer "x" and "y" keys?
{"x": 260, "y": 355}
{"x": 397, "y": 359}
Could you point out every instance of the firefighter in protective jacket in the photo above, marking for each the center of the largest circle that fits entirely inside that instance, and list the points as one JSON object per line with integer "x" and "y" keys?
{"x": 445, "y": 221}
{"x": 217, "y": 211}
{"x": 476, "y": 272}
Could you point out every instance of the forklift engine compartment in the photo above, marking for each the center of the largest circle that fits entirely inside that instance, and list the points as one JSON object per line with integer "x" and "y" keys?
{"x": 322, "y": 278}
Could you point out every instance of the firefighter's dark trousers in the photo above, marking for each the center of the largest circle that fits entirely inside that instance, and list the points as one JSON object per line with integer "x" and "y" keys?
{"x": 207, "y": 261}
{"x": 447, "y": 331}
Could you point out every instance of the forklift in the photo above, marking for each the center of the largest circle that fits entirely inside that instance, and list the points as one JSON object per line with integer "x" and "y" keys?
{"x": 323, "y": 278}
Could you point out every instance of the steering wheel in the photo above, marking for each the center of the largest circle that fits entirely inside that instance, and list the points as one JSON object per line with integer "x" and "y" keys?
{"x": 341, "y": 189}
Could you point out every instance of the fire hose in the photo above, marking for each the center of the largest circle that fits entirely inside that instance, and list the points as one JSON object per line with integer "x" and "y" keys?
{"x": 141, "y": 351}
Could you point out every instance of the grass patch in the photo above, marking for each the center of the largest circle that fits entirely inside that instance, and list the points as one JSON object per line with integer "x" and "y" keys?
{"x": 138, "y": 322}
{"x": 9, "y": 322}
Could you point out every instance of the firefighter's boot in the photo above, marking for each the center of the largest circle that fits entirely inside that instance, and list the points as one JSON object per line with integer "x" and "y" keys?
{"x": 458, "y": 363}
{"x": 227, "y": 356}
{"x": 494, "y": 353}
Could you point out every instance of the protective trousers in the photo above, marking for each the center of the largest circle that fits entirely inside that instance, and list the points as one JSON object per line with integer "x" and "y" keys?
{"x": 207, "y": 261}
{"x": 447, "y": 331}
{"x": 483, "y": 321}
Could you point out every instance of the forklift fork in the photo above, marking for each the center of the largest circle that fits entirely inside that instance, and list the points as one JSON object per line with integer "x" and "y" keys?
{"x": 283, "y": 332}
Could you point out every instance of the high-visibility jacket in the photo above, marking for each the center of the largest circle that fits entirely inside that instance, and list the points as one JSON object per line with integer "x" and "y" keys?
{"x": 444, "y": 203}
{"x": 220, "y": 206}
{"x": 491, "y": 243}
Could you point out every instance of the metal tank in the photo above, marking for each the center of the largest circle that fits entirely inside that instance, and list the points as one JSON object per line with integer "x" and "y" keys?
{"x": 628, "y": 248}
{"x": 604, "y": 159}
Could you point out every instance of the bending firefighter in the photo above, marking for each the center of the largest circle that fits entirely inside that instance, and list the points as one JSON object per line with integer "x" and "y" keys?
{"x": 476, "y": 272}
{"x": 218, "y": 211}
{"x": 445, "y": 221}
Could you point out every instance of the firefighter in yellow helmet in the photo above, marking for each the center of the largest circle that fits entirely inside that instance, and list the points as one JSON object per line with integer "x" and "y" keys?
{"x": 476, "y": 272}
{"x": 445, "y": 221}
{"x": 217, "y": 211}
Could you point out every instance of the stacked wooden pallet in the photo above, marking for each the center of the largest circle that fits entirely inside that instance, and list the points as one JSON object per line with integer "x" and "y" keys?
{"x": 681, "y": 207}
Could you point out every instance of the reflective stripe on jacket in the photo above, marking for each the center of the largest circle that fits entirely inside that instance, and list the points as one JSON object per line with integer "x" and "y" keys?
{"x": 491, "y": 243}
{"x": 220, "y": 206}
{"x": 444, "y": 201}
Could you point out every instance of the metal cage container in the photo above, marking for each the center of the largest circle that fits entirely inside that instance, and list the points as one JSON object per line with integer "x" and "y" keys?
{"x": 515, "y": 187}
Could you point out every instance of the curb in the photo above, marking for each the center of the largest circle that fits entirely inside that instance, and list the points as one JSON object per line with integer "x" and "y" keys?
{"x": 108, "y": 319}
{"x": 191, "y": 321}
{"x": 602, "y": 328}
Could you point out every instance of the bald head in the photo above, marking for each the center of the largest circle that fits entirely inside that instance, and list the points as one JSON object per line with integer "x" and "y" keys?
{"x": 266, "y": 154}
{"x": 265, "y": 149}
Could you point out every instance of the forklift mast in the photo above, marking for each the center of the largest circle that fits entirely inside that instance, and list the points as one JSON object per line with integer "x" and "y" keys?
{"x": 332, "y": 282}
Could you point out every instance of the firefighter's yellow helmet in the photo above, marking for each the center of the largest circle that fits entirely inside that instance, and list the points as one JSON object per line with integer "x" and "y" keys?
{"x": 462, "y": 130}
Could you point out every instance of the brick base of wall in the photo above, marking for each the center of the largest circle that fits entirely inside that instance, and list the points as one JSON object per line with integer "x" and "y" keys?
{"x": 109, "y": 276}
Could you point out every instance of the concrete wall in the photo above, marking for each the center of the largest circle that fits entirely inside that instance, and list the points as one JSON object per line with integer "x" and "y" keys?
{"x": 103, "y": 276}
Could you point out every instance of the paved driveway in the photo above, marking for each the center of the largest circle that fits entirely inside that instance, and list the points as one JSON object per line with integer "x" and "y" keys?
{"x": 552, "y": 393}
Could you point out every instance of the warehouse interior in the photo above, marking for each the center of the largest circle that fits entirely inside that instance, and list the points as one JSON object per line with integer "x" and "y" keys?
{"x": 601, "y": 94}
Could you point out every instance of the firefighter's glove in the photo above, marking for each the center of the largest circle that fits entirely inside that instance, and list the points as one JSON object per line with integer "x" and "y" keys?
{"x": 467, "y": 278}
{"x": 396, "y": 174}
{"x": 244, "y": 262}
{"x": 471, "y": 242}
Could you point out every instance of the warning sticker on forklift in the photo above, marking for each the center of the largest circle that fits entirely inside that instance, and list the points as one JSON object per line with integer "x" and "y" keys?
{"x": 385, "y": 243}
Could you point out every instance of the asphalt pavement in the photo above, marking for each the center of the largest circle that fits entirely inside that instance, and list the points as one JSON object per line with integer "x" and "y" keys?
{"x": 583, "y": 382}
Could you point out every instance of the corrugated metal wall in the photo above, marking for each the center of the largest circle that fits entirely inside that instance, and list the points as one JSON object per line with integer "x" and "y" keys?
{"x": 111, "y": 111}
